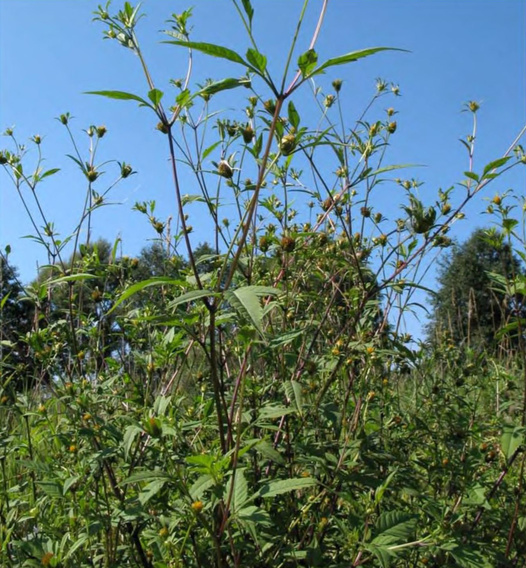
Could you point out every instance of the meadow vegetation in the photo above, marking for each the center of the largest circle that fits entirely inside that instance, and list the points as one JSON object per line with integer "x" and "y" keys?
{"x": 254, "y": 400}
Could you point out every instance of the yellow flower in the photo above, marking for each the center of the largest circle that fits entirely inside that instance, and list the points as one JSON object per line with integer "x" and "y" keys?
{"x": 197, "y": 506}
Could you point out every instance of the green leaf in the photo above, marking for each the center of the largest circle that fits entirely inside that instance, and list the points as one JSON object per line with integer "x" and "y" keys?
{"x": 146, "y": 476}
{"x": 69, "y": 482}
{"x": 120, "y": 95}
{"x": 307, "y": 62}
{"x": 467, "y": 557}
{"x": 271, "y": 411}
{"x": 129, "y": 437}
{"x": 155, "y": 96}
{"x": 266, "y": 449}
{"x": 494, "y": 165}
{"x": 49, "y": 173}
{"x": 512, "y": 438}
{"x": 249, "y": 10}
{"x": 256, "y": 515}
{"x": 223, "y": 85}
{"x": 472, "y": 175}
{"x": 351, "y": 57}
{"x": 53, "y": 488}
{"x": 397, "y": 524}
{"x": 71, "y": 278}
{"x": 131, "y": 290}
{"x": 4, "y": 300}
{"x": 151, "y": 490}
{"x": 203, "y": 483}
{"x": 256, "y": 59}
{"x": 209, "y": 150}
{"x": 280, "y": 486}
{"x": 294, "y": 117}
{"x": 213, "y": 50}
{"x": 191, "y": 296}
{"x": 294, "y": 392}
{"x": 246, "y": 301}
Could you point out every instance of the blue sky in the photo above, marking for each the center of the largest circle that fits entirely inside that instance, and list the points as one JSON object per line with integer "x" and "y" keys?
{"x": 51, "y": 53}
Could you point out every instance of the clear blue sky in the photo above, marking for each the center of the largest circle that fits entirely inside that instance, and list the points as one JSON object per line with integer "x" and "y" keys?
{"x": 51, "y": 53}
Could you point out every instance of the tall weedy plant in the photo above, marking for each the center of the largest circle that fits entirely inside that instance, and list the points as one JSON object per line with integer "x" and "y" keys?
{"x": 256, "y": 410}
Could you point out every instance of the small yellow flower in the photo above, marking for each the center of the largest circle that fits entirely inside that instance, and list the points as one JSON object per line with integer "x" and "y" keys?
{"x": 197, "y": 506}
{"x": 370, "y": 350}
{"x": 73, "y": 448}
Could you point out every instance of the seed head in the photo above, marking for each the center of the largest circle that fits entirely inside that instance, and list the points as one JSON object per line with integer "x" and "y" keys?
{"x": 224, "y": 169}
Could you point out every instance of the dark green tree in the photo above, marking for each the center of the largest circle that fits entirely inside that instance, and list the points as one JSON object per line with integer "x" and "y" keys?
{"x": 16, "y": 316}
{"x": 467, "y": 307}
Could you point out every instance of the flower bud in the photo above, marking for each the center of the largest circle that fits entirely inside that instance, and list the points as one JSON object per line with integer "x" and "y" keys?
{"x": 329, "y": 101}
{"x": 162, "y": 127}
{"x": 92, "y": 174}
{"x": 391, "y": 127}
{"x": 101, "y": 131}
{"x": 37, "y": 139}
{"x": 248, "y": 134}
{"x": 337, "y": 85}
{"x": 126, "y": 170}
{"x": 287, "y": 144}
{"x": 288, "y": 244}
{"x": 270, "y": 106}
{"x": 224, "y": 169}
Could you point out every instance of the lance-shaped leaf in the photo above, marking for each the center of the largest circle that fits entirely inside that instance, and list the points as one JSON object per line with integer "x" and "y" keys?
{"x": 131, "y": 290}
{"x": 257, "y": 59}
{"x": 307, "y": 62}
{"x": 246, "y": 301}
{"x": 211, "y": 49}
{"x": 223, "y": 85}
{"x": 350, "y": 57}
{"x": 122, "y": 96}
{"x": 280, "y": 486}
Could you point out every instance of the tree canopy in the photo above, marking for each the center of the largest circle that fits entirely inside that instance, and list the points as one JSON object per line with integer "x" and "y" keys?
{"x": 467, "y": 306}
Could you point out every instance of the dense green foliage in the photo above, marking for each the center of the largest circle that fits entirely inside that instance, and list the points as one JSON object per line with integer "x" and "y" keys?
{"x": 257, "y": 404}
{"x": 467, "y": 306}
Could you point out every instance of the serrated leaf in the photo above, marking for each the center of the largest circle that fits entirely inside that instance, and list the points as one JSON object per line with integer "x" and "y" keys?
{"x": 294, "y": 392}
{"x": 155, "y": 95}
{"x": 307, "y": 62}
{"x": 269, "y": 452}
{"x": 254, "y": 515}
{"x": 151, "y": 489}
{"x": 129, "y": 437}
{"x": 280, "y": 486}
{"x": 512, "y": 438}
{"x": 256, "y": 59}
{"x": 120, "y": 95}
{"x": 51, "y": 487}
{"x": 246, "y": 301}
{"x": 494, "y": 165}
{"x": 203, "y": 483}
{"x": 396, "y": 524}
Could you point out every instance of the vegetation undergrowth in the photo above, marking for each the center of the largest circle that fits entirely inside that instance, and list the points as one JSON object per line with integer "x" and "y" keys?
{"x": 254, "y": 401}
